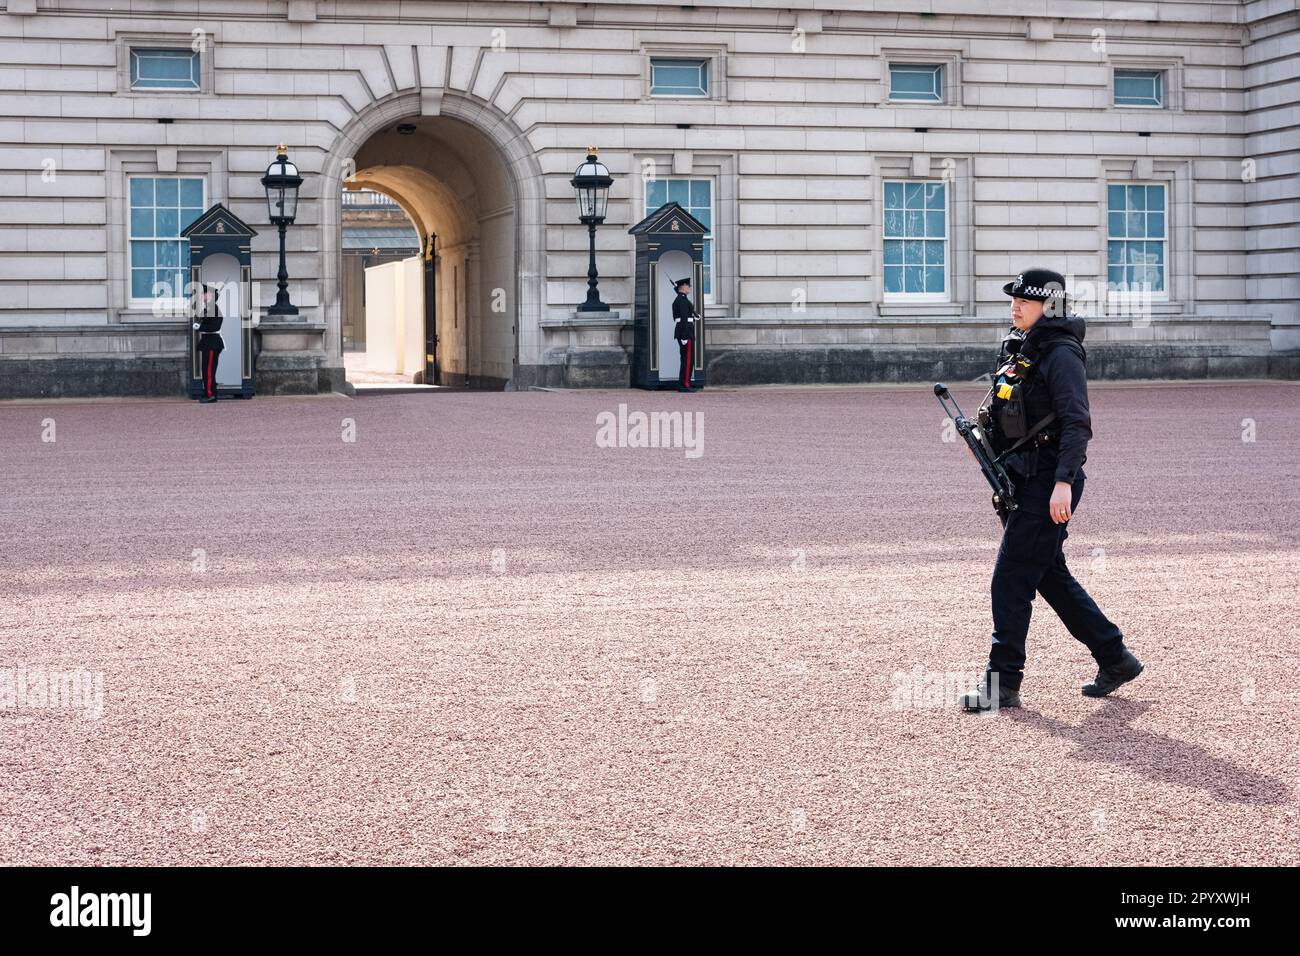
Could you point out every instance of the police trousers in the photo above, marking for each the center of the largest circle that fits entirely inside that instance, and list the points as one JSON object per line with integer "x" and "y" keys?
{"x": 1031, "y": 560}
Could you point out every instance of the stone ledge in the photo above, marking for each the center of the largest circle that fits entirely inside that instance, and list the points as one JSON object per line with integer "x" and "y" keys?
{"x": 1284, "y": 365}
{"x": 621, "y": 319}
{"x": 614, "y": 318}
{"x": 289, "y": 373}
{"x": 963, "y": 363}
{"x": 849, "y": 364}
{"x": 66, "y": 376}
{"x": 292, "y": 336}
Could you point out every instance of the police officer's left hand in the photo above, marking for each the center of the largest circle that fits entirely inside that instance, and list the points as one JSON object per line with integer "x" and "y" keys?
{"x": 1059, "y": 506}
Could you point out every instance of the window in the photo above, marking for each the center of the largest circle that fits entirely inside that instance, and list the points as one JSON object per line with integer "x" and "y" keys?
{"x": 164, "y": 70}
{"x": 160, "y": 258}
{"x": 916, "y": 239}
{"x": 1139, "y": 88}
{"x": 919, "y": 82}
{"x": 1135, "y": 246}
{"x": 679, "y": 77}
{"x": 696, "y": 197}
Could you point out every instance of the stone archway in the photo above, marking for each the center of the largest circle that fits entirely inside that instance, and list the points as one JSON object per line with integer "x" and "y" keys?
{"x": 468, "y": 175}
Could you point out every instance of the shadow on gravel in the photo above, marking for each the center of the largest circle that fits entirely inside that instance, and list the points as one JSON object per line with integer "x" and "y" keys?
{"x": 1108, "y": 736}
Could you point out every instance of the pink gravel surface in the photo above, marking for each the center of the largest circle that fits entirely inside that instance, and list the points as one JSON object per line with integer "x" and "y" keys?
{"x": 473, "y": 636}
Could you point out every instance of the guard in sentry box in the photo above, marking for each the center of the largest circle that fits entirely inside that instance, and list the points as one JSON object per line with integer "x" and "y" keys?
{"x": 211, "y": 344}
{"x": 684, "y": 332}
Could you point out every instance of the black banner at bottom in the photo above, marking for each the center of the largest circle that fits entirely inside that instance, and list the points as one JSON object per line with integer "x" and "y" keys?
{"x": 332, "y": 905}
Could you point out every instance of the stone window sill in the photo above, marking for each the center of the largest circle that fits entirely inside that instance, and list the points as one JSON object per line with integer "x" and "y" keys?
{"x": 143, "y": 316}
{"x": 919, "y": 308}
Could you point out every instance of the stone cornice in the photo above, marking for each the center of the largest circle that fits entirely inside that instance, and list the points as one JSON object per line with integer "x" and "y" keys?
{"x": 703, "y": 15}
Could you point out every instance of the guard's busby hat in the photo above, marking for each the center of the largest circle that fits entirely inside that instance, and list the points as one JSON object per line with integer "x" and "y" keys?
{"x": 1042, "y": 285}
{"x": 681, "y": 282}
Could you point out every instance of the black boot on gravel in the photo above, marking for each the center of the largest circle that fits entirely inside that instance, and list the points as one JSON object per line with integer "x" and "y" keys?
{"x": 981, "y": 698}
{"x": 1115, "y": 676}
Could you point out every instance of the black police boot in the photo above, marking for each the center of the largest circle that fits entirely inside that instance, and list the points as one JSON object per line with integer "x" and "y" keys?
{"x": 1114, "y": 676}
{"x": 981, "y": 699}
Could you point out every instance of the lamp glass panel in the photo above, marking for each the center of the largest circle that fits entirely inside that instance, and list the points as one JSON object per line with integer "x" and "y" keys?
{"x": 291, "y": 202}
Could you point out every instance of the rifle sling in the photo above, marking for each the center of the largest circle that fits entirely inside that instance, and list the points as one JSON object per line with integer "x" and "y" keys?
{"x": 1030, "y": 435}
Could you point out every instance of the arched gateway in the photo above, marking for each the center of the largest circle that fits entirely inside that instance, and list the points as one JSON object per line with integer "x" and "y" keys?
{"x": 463, "y": 172}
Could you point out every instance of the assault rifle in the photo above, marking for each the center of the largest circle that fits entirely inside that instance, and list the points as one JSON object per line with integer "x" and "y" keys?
{"x": 974, "y": 434}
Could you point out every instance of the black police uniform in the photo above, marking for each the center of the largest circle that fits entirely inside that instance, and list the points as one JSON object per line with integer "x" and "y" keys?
{"x": 684, "y": 332}
{"x": 210, "y": 348}
{"x": 1052, "y": 380}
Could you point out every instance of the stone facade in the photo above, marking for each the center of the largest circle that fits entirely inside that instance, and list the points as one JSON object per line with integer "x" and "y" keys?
{"x": 474, "y": 116}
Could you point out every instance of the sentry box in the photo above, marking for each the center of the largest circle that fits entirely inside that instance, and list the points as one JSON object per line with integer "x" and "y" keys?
{"x": 221, "y": 256}
{"x": 669, "y": 246}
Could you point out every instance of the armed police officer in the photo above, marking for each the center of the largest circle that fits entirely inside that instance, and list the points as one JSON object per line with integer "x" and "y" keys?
{"x": 684, "y": 332}
{"x": 1039, "y": 423}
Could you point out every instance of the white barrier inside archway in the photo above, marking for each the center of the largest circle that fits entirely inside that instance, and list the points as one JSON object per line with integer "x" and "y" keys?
{"x": 395, "y": 317}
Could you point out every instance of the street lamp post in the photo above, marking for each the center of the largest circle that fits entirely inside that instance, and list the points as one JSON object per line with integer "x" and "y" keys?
{"x": 591, "y": 182}
{"x": 281, "y": 183}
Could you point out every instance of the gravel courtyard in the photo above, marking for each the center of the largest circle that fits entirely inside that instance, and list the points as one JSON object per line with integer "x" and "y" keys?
{"x": 472, "y": 635}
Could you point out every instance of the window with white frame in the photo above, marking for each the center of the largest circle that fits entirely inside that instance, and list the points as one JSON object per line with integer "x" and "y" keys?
{"x": 916, "y": 82}
{"x": 161, "y": 206}
{"x": 696, "y": 197}
{"x": 915, "y": 239}
{"x": 156, "y": 69}
{"x": 1140, "y": 88}
{"x": 678, "y": 77}
{"x": 1136, "y": 238}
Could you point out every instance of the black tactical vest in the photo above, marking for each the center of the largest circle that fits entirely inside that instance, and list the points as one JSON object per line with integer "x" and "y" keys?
{"x": 1011, "y": 384}
{"x": 1018, "y": 404}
